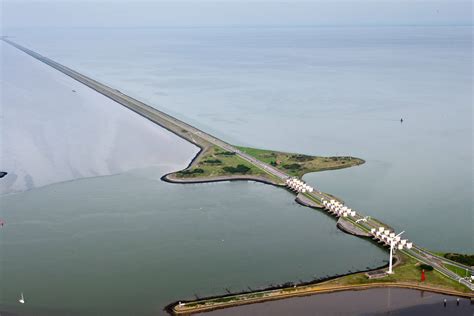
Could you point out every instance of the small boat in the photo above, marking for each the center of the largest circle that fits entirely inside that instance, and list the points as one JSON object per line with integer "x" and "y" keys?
{"x": 22, "y": 299}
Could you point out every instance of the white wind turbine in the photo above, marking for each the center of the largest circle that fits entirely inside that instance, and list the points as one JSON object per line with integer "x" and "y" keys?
{"x": 392, "y": 245}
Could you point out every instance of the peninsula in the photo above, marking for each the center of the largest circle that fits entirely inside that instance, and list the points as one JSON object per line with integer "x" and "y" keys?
{"x": 216, "y": 164}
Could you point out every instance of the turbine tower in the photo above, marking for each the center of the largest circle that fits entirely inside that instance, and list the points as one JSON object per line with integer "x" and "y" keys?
{"x": 392, "y": 245}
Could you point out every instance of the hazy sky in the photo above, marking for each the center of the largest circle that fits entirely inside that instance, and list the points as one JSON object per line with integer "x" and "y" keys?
{"x": 116, "y": 13}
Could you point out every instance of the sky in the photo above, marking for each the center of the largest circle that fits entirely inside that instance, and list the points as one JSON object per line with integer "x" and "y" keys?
{"x": 238, "y": 13}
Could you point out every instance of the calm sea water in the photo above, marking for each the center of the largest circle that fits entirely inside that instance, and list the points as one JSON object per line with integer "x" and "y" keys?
{"x": 131, "y": 244}
{"x": 319, "y": 91}
{"x": 55, "y": 129}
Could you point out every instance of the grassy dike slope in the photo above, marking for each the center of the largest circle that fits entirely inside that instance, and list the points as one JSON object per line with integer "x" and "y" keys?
{"x": 298, "y": 164}
{"x": 214, "y": 163}
{"x": 407, "y": 272}
{"x": 407, "y": 275}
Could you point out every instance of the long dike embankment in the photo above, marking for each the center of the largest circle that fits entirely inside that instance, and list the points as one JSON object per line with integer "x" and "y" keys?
{"x": 305, "y": 290}
{"x": 188, "y": 132}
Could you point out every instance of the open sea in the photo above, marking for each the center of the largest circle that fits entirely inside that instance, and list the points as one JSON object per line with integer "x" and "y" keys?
{"x": 90, "y": 228}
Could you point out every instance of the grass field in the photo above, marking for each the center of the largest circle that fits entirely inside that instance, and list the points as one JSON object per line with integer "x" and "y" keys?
{"x": 461, "y": 272}
{"x": 298, "y": 164}
{"x": 216, "y": 162}
{"x": 407, "y": 271}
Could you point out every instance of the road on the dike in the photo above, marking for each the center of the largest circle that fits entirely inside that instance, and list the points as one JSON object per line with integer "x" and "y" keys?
{"x": 203, "y": 139}
{"x": 176, "y": 126}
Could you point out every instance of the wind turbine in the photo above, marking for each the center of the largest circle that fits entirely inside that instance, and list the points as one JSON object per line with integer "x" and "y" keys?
{"x": 392, "y": 245}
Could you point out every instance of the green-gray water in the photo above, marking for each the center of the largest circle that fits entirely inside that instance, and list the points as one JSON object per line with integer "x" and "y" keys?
{"x": 129, "y": 243}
